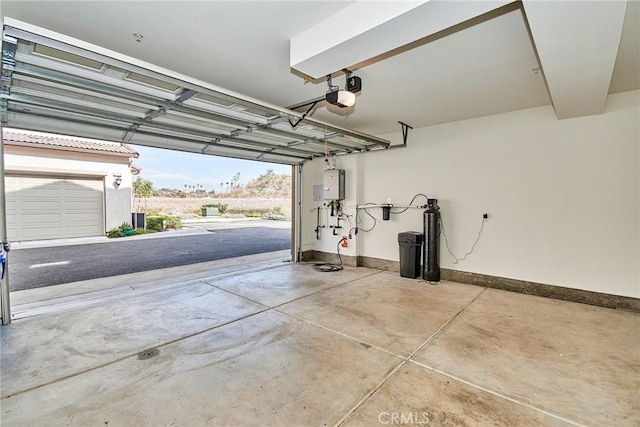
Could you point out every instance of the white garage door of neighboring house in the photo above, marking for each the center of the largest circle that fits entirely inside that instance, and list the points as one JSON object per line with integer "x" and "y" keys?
{"x": 40, "y": 208}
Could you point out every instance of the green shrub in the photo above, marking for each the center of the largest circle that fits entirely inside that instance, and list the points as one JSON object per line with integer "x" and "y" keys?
{"x": 155, "y": 223}
{"x": 115, "y": 233}
{"x": 278, "y": 210}
{"x": 138, "y": 231}
{"x": 172, "y": 222}
{"x": 250, "y": 213}
{"x": 125, "y": 226}
{"x": 163, "y": 222}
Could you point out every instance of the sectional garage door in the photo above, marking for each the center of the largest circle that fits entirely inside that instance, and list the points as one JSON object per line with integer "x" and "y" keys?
{"x": 40, "y": 208}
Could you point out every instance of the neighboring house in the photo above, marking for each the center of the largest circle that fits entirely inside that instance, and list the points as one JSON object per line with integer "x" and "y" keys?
{"x": 60, "y": 187}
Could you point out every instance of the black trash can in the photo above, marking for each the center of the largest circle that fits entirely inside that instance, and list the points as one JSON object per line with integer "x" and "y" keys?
{"x": 410, "y": 243}
{"x": 139, "y": 220}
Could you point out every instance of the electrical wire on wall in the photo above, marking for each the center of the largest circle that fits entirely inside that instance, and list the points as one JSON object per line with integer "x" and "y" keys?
{"x": 409, "y": 204}
{"x": 446, "y": 241}
{"x": 328, "y": 267}
{"x": 375, "y": 221}
{"x": 359, "y": 220}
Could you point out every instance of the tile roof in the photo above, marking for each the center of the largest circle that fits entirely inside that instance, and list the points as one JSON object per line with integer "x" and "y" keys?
{"x": 14, "y": 137}
{"x": 135, "y": 169}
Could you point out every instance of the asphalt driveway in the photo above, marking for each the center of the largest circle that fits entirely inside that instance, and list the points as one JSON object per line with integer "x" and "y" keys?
{"x": 47, "y": 266}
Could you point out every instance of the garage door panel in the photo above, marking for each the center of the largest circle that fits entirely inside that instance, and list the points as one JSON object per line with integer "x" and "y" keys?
{"x": 16, "y": 183}
{"x": 41, "y": 208}
{"x": 81, "y": 195}
{"x": 40, "y": 218}
{"x": 86, "y": 206}
{"x": 88, "y": 198}
{"x": 84, "y": 229}
{"x": 82, "y": 219}
{"x": 11, "y": 230}
{"x": 11, "y": 218}
{"x": 42, "y": 193}
{"x": 36, "y": 205}
{"x": 40, "y": 233}
{"x": 73, "y": 189}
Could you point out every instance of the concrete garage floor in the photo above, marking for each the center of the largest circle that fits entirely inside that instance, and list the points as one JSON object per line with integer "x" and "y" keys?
{"x": 262, "y": 342}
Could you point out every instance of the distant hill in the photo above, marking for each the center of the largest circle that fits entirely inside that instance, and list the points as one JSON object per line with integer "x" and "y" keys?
{"x": 267, "y": 185}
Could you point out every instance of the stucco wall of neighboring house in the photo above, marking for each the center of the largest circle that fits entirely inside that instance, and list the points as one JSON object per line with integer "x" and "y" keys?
{"x": 52, "y": 162}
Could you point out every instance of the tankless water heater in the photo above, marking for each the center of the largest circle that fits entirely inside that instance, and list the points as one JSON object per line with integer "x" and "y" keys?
{"x": 334, "y": 184}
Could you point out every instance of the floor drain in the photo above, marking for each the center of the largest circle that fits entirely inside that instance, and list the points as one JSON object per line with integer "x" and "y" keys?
{"x": 148, "y": 354}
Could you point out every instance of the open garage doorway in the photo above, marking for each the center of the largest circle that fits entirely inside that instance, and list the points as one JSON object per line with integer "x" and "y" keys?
{"x": 203, "y": 187}
{"x": 180, "y": 209}
{"x": 61, "y": 85}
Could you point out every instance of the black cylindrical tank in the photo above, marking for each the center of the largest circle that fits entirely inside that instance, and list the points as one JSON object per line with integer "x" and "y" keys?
{"x": 431, "y": 268}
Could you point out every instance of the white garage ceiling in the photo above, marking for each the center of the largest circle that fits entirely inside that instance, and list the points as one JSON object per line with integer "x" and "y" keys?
{"x": 487, "y": 65}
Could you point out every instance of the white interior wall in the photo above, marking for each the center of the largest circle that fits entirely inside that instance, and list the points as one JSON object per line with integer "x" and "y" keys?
{"x": 563, "y": 196}
{"x": 313, "y": 174}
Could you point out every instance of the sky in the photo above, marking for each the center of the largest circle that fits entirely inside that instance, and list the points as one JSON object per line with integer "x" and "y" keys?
{"x": 174, "y": 169}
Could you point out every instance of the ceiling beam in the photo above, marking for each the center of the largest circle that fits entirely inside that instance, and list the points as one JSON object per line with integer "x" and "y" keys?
{"x": 577, "y": 43}
{"x": 367, "y": 29}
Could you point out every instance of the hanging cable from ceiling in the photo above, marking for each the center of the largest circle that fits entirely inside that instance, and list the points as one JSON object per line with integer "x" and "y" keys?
{"x": 326, "y": 143}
